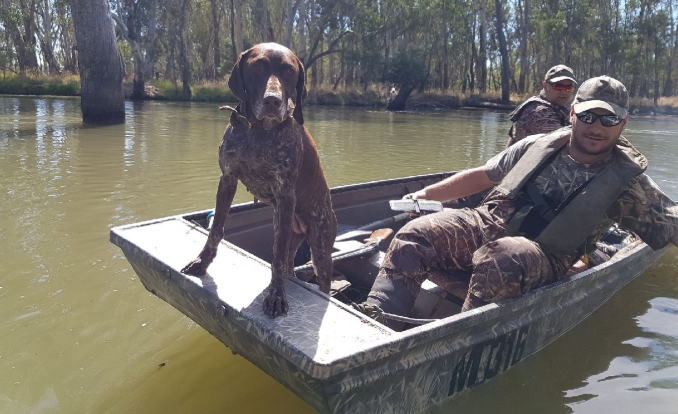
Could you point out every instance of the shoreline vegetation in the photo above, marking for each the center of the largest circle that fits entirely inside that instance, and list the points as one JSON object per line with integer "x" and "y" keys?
{"x": 374, "y": 96}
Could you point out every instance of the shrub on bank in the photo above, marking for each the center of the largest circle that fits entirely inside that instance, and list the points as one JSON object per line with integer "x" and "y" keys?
{"x": 373, "y": 96}
{"x": 25, "y": 85}
{"x": 208, "y": 93}
{"x": 205, "y": 92}
{"x": 436, "y": 99}
{"x": 168, "y": 90}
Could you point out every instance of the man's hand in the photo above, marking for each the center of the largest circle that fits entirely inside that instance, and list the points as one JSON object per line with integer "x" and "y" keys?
{"x": 417, "y": 195}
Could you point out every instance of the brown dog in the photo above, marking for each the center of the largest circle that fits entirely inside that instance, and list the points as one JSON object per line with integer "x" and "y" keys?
{"x": 273, "y": 154}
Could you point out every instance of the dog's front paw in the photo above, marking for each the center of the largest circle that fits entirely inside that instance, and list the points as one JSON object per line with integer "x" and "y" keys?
{"x": 275, "y": 303}
{"x": 196, "y": 268}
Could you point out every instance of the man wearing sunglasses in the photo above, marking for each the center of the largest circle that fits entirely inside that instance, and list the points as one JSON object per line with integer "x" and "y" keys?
{"x": 537, "y": 221}
{"x": 548, "y": 111}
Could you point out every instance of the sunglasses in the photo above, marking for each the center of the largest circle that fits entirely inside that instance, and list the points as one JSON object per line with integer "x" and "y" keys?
{"x": 560, "y": 87}
{"x": 605, "y": 120}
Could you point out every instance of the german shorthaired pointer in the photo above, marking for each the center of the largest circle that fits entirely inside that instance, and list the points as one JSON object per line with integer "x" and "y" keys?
{"x": 267, "y": 147}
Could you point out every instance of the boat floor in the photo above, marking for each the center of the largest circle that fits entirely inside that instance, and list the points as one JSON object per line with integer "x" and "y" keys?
{"x": 322, "y": 329}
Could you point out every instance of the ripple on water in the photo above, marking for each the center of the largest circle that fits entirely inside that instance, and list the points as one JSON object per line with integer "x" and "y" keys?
{"x": 647, "y": 382}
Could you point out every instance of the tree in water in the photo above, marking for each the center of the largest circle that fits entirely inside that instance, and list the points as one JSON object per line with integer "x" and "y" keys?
{"x": 407, "y": 69}
{"x": 99, "y": 63}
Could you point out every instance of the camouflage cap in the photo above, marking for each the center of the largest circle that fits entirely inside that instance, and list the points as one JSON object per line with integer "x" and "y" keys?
{"x": 558, "y": 73}
{"x": 602, "y": 92}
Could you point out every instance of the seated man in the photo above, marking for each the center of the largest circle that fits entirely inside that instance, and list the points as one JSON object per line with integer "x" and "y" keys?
{"x": 548, "y": 111}
{"x": 538, "y": 220}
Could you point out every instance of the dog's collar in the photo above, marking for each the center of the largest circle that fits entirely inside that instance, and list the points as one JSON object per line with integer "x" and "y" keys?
{"x": 240, "y": 117}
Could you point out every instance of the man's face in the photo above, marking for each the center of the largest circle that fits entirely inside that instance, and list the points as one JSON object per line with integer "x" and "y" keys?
{"x": 595, "y": 139}
{"x": 559, "y": 97}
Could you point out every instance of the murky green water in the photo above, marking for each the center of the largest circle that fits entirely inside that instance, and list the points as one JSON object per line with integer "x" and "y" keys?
{"x": 80, "y": 334}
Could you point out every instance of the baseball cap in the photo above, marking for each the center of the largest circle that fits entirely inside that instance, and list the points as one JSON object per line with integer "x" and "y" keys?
{"x": 602, "y": 92}
{"x": 558, "y": 73}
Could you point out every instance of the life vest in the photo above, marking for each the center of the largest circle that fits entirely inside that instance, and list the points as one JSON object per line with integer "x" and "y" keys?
{"x": 518, "y": 112}
{"x": 568, "y": 229}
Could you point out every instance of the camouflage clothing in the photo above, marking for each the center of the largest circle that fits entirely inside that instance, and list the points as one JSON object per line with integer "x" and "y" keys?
{"x": 642, "y": 207}
{"x": 477, "y": 240}
{"x": 456, "y": 241}
{"x": 538, "y": 117}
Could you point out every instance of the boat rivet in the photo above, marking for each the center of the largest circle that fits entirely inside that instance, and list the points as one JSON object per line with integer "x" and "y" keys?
{"x": 168, "y": 273}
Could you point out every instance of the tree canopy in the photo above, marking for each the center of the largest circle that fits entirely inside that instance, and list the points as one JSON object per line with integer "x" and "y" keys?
{"x": 449, "y": 44}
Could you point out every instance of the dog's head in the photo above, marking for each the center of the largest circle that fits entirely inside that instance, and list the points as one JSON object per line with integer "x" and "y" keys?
{"x": 265, "y": 78}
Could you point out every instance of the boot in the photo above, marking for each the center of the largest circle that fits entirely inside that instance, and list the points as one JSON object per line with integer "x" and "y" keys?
{"x": 391, "y": 293}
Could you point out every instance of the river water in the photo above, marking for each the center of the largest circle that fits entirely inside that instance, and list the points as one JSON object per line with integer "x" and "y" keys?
{"x": 80, "y": 334}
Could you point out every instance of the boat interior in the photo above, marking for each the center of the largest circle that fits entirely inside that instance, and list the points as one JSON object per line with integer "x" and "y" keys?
{"x": 366, "y": 225}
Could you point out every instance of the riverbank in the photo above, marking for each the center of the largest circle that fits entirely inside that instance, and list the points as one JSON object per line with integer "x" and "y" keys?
{"x": 374, "y": 96}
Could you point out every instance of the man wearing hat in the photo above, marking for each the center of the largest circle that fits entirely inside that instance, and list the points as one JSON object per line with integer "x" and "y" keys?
{"x": 549, "y": 110}
{"x": 537, "y": 220}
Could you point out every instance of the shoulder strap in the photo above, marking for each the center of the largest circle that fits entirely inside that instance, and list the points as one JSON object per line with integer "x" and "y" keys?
{"x": 539, "y": 152}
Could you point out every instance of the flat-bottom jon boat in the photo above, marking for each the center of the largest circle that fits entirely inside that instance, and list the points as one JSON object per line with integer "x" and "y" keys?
{"x": 334, "y": 358}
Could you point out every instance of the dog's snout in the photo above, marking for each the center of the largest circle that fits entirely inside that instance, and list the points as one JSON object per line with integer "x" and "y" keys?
{"x": 273, "y": 94}
{"x": 272, "y": 101}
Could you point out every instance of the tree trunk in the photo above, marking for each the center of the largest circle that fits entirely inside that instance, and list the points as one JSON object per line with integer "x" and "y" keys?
{"x": 482, "y": 50}
{"x": 23, "y": 42}
{"x": 99, "y": 61}
{"x": 183, "y": 53}
{"x": 266, "y": 31}
{"x": 387, "y": 56}
{"x": 341, "y": 74}
{"x": 65, "y": 39}
{"x": 237, "y": 19}
{"x": 668, "y": 83}
{"x": 289, "y": 23}
{"x": 446, "y": 54}
{"x": 474, "y": 58}
{"x": 45, "y": 37}
{"x": 301, "y": 52}
{"x": 503, "y": 49}
{"x": 234, "y": 50}
{"x": 524, "y": 66}
{"x": 400, "y": 101}
{"x": 29, "y": 38}
{"x": 656, "y": 71}
{"x": 216, "y": 24}
{"x": 144, "y": 60}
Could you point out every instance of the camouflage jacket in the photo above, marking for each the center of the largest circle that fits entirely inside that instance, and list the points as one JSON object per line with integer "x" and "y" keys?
{"x": 537, "y": 116}
{"x": 642, "y": 207}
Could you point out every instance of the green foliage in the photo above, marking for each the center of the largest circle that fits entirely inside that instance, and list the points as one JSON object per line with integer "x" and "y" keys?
{"x": 212, "y": 94}
{"x": 407, "y": 69}
{"x": 201, "y": 93}
{"x": 169, "y": 90}
{"x": 23, "y": 85}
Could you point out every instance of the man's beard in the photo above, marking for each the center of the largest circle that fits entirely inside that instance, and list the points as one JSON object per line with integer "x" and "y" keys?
{"x": 605, "y": 150}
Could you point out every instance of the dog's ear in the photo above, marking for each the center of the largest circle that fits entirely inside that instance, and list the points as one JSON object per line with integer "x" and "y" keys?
{"x": 301, "y": 94}
{"x": 236, "y": 82}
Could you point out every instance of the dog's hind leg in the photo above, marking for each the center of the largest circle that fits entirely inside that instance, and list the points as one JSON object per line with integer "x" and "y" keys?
{"x": 225, "y": 193}
{"x": 321, "y": 234}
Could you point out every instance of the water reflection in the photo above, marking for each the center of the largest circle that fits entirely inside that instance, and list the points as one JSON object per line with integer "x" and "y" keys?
{"x": 82, "y": 335}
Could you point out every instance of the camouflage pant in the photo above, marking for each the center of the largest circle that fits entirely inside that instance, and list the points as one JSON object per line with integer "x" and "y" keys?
{"x": 449, "y": 243}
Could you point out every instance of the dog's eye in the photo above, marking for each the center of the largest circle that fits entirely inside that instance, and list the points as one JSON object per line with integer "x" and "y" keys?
{"x": 289, "y": 72}
{"x": 257, "y": 67}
